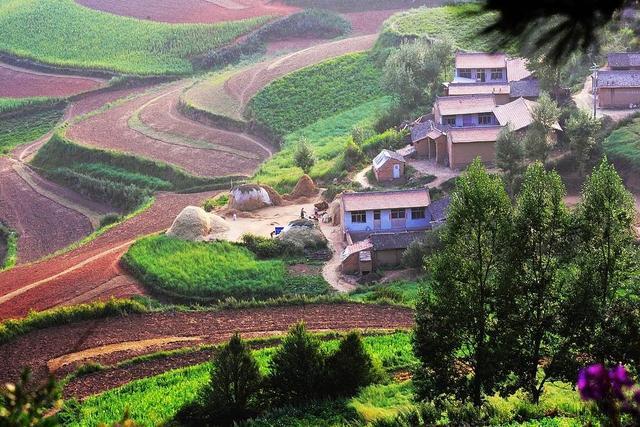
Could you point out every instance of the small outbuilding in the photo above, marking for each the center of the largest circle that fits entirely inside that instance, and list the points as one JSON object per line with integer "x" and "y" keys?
{"x": 388, "y": 166}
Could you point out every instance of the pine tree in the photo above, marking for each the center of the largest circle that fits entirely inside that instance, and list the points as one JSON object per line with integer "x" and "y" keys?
{"x": 350, "y": 367}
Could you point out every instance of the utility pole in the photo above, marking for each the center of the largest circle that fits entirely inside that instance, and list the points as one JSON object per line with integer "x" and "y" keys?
{"x": 594, "y": 88}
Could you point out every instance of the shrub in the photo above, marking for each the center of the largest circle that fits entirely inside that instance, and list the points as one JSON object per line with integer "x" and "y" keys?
{"x": 390, "y": 139}
{"x": 28, "y": 405}
{"x": 263, "y": 247}
{"x": 297, "y": 368}
{"x": 353, "y": 156}
{"x": 415, "y": 254}
{"x": 217, "y": 202}
{"x": 109, "y": 219}
{"x": 303, "y": 156}
{"x": 350, "y": 367}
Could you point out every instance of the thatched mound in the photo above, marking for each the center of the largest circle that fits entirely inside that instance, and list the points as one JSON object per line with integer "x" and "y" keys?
{"x": 304, "y": 188}
{"x": 334, "y": 212}
{"x": 249, "y": 197}
{"x": 276, "y": 198}
{"x": 194, "y": 224}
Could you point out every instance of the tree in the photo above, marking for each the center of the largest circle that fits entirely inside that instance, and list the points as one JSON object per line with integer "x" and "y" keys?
{"x": 604, "y": 310}
{"x": 539, "y": 140}
{"x": 510, "y": 158}
{"x": 582, "y": 131}
{"x": 24, "y": 405}
{"x": 297, "y": 368}
{"x": 414, "y": 71}
{"x": 350, "y": 367}
{"x": 531, "y": 285}
{"x": 303, "y": 156}
{"x": 235, "y": 379}
{"x": 455, "y": 322}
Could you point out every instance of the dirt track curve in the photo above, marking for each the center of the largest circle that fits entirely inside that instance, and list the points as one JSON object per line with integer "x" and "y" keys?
{"x": 108, "y": 341}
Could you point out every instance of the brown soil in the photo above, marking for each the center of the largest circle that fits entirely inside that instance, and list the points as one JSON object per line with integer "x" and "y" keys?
{"x": 36, "y": 349}
{"x": 368, "y": 22}
{"x": 190, "y": 11}
{"x": 16, "y": 82}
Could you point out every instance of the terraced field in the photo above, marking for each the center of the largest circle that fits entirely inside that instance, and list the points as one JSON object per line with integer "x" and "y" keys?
{"x": 17, "y": 82}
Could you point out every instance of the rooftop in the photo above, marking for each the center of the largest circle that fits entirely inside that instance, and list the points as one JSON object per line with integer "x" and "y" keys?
{"x": 438, "y": 209}
{"x": 481, "y": 60}
{"x": 618, "y": 78}
{"x": 356, "y": 247}
{"x": 423, "y": 130}
{"x": 518, "y": 113}
{"x": 525, "y": 88}
{"x": 623, "y": 59}
{"x": 474, "y": 134}
{"x": 390, "y": 241}
{"x": 384, "y": 156}
{"x": 374, "y": 200}
{"x": 468, "y": 104}
{"x": 457, "y": 89}
{"x": 517, "y": 69}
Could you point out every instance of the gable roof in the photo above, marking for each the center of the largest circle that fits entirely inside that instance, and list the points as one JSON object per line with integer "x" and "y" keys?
{"x": 390, "y": 241}
{"x": 363, "y": 245}
{"x": 385, "y": 156}
{"x": 518, "y": 113}
{"x": 525, "y": 88}
{"x": 457, "y": 89}
{"x": 424, "y": 130}
{"x": 517, "y": 69}
{"x": 474, "y": 134}
{"x": 623, "y": 59}
{"x": 468, "y": 104}
{"x": 480, "y": 60}
{"x": 374, "y": 200}
{"x": 618, "y": 78}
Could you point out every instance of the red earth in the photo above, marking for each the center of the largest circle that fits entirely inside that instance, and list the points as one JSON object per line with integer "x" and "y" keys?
{"x": 191, "y": 11}
{"x": 38, "y": 348}
{"x": 18, "y": 82}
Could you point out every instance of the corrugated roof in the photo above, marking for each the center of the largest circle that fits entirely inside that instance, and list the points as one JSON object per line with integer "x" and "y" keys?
{"x": 474, "y": 134}
{"x": 525, "y": 88}
{"x": 469, "y": 104}
{"x": 355, "y": 248}
{"x": 390, "y": 241}
{"x": 623, "y": 59}
{"x": 518, "y": 113}
{"x": 384, "y": 156}
{"x": 517, "y": 69}
{"x": 457, "y": 89}
{"x": 481, "y": 60}
{"x": 618, "y": 78}
{"x": 374, "y": 200}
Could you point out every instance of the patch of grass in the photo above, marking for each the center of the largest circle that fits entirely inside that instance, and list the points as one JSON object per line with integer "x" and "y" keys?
{"x": 383, "y": 401}
{"x": 219, "y": 201}
{"x": 400, "y": 293}
{"x": 8, "y": 105}
{"x": 453, "y": 23}
{"x": 21, "y": 129}
{"x": 624, "y": 143}
{"x": 122, "y": 176}
{"x": 305, "y": 96}
{"x": 213, "y": 271}
{"x": 9, "y": 238}
{"x": 70, "y": 35}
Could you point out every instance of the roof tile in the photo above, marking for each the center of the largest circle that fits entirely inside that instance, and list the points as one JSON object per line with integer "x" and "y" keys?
{"x": 374, "y": 200}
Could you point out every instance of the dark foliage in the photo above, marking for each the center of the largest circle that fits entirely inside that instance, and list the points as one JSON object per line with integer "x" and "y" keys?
{"x": 25, "y": 405}
{"x": 350, "y": 367}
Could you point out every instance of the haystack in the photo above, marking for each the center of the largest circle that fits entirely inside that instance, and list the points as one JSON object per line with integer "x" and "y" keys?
{"x": 303, "y": 234}
{"x": 249, "y": 197}
{"x": 194, "y": 224}
{"x": 304, "y": 188}
{"x": 276, "y": 198}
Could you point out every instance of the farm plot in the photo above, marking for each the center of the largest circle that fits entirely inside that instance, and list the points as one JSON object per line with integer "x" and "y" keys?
{"x": 108, "y": 42}
{"x": 28, "y": 127}
{"x": 75, "y": 275}
{"x": 36, "y": 351}
{"x": 198, "y": 152}
{"x": 191, "y": 11}
{"x": 16, "y": 82}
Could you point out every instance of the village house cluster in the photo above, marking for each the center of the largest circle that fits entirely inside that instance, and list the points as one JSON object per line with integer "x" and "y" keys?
{"x": 617, "y": 85}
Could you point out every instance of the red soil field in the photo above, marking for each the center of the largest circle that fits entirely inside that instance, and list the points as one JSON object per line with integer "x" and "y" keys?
{"x": 111, "y": 130}
{"x": 18, "y": 82}
{"x": 43, "y": 225}
{"x": 39, "y": 347}
{"x": 75, "y": 275}
{"x": 191, "y": 11}
{"x": 368, "y": 22}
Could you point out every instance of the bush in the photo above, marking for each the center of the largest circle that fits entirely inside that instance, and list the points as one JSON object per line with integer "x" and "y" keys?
{"x": 390, "y": 139}
{"x": 263, "y": 247}
{"x": 415, "y": 254}
{"x": 353, "y": 156}
{"x": 216, "y": 202}
{"x": 109, "y": 219}
{"x": 24, "y": 404}
{"x": 297, "y": 368}
{"x": 350, "y": 367}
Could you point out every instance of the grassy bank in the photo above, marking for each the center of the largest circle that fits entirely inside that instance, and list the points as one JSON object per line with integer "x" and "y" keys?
{"x": 9, "y": 243}
{"x": 624, "y": 142}
{"x": 48, "y": 31}
{"x": 213, "y": 271}
{"x": 21, "y": 129}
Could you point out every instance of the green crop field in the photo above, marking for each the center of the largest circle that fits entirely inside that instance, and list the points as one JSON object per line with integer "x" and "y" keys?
{"x": 624, "y": 143}
{"x": 156, "y": 400}
{"x": 452, "y": 23}
{"x": 11, "y": 104}
{"x": 213, "y": 271}
{"x": 21, "y": 129}
{"x": 62, "y": 33}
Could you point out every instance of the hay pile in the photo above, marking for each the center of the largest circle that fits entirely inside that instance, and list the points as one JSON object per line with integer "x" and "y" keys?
{"x": 303, "y": 234}
{"x": 276, "y": 198}
{"x": 196, "y": 225}
{"x": 304, "y": 188}
{"x": 249, "y": 197}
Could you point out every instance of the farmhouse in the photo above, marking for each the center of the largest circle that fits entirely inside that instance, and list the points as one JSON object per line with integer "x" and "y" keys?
{"x": 618, "y": 84}
{"x": 379, "y": 226}
{"x": 388, "y": 166}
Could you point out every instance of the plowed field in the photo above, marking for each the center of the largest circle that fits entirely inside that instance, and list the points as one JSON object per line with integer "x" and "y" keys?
{"x": 191, "y": 11}
{"x": 18, "y": 82}
{"x": 62, "y": 347}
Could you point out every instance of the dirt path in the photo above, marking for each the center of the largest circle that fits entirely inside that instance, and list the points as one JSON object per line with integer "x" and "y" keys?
{"x": 429, "y": 167}
{"x": 331, "y": 270}
{"x": 361, "y": 178}
{"x": 101, "y": 340}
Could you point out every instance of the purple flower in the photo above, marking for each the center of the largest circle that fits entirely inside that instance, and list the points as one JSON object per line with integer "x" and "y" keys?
{"x": 620, "y": 379}
{"x": 593, "y": 382}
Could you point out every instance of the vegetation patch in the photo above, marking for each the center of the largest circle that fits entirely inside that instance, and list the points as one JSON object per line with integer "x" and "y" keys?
{"x": 20, "y": 105}
{"x": 624, "y": 142}
{"x": 357, "y": 5}
{"x": 8, "y": 247}
{"x": 18, "y": 130}
{"x": 213, "y": 271}
{"x": 399, "y": 293}
{"x": 47, "y": 31}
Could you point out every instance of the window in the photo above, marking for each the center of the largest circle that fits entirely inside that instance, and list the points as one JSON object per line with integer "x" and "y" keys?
{"x": 376, "y": 215}
{"x": 480, "y": 76}
{"x": 485, "y": 119}
{"x": 359, "y": 217}
{"x": 467, "y": 120}
{"x": 449, "y": 121}
{"x": 417, "y": 213}
{"x": 464, "y": 73}
{"x": 497, "y": 74}
{"x": 397, "y": 213}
